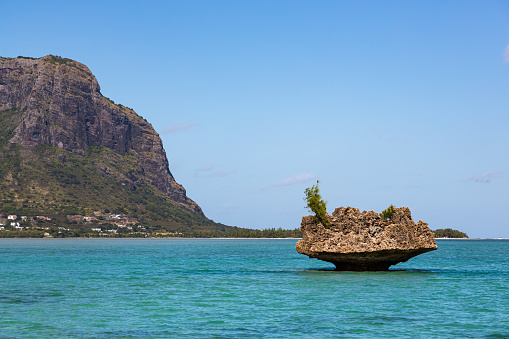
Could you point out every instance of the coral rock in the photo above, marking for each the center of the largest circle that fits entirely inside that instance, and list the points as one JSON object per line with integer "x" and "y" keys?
{"x": 365, "y": 241}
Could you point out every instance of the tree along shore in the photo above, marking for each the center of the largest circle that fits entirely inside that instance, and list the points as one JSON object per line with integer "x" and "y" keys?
{"x": 118, "y": 226}
{"x": 449, "y": 233}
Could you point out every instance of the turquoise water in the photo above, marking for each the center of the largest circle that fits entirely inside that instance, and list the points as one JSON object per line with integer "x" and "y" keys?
{"x": 220, "y": 288}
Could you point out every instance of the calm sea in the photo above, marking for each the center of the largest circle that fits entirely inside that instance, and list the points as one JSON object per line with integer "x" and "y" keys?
{"x": 220, "y": 288}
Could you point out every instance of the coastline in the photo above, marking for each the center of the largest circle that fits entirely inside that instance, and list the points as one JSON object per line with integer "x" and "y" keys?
{"x": 148, "y": 238}
{"x": 203, "y": 238}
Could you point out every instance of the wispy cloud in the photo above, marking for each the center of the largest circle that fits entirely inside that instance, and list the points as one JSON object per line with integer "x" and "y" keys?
{"x": 296, "y": 179}
{"x": 178, "y": 128}
{"x": 226, "y": 205}
{"x": 205, "y": 168}
{"x": 506, "y": 54}
{"x": 221, "y": 173}
{"x": 486, "y": 178}
{"x": 210, "y": 171}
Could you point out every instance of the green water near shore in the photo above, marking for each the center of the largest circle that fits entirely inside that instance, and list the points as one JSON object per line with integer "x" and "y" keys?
{"x": 240, "y": 288}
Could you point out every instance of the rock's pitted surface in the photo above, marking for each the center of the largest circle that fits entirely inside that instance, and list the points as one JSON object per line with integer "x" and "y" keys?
{"x": 364, "y": 241}
{"x": 57, "y": 102}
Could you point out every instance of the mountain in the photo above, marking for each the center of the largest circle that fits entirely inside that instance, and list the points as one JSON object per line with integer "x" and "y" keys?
{"x": 67, "y": 149}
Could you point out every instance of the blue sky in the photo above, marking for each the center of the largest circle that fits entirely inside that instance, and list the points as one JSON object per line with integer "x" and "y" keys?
{"x": 385, "y": 102}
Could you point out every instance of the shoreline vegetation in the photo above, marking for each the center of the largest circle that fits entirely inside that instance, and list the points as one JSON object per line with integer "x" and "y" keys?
{"x": 111, "y": 225}
{"x": 449, "y": 233}
{"x": 120, "y": 226}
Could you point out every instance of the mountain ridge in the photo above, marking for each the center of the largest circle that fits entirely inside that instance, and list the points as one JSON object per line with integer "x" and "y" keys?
{"x": 62, "y": 139}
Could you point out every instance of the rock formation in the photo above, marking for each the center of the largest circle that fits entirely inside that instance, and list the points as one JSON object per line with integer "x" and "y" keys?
{"x": 57, "y": 102}
{"x": 365, "y": 241}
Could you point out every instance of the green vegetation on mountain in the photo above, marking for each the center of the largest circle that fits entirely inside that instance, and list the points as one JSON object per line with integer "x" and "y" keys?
{"x": 47, "y": 180}
{"x": 449, "y": 233}
{"x": 58, "y": 60}
{"x": 9, "y": 119}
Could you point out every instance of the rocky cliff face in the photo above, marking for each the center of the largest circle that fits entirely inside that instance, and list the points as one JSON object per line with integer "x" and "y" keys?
{"x": 365, "y": 241}
{"x": 56, "y": 101}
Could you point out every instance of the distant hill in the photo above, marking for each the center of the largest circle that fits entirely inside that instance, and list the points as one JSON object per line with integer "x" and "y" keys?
{"x": 449, "y": 233}
{"x": 65, "y": 149}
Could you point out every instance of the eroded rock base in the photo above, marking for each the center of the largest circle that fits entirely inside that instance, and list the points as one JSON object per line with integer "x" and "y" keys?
{"x": 369, "y": 261}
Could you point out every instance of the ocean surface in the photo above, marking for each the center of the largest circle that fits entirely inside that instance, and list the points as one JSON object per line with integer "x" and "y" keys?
{"x": 236, "y": 288}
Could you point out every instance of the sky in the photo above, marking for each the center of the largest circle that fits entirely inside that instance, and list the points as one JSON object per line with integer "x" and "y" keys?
{"x": 383, "y": 102}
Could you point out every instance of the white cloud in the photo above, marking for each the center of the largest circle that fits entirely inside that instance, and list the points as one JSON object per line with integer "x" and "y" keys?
{"x": 296, "y": 179}
{"x": 486, "y": 177}
{"x": 178, "y": 128}
{"x": 506, "y": 54}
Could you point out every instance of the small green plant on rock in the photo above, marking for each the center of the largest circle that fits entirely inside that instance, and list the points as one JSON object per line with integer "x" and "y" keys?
{"x": 316, "y": 204}
{"x": 388, "y": 212}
